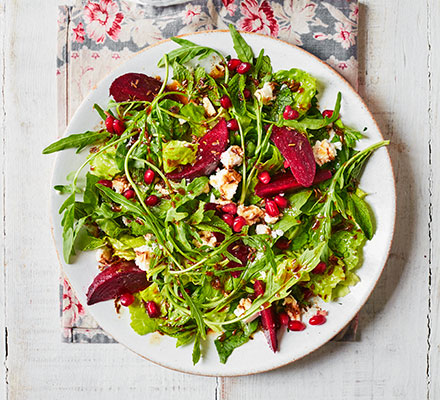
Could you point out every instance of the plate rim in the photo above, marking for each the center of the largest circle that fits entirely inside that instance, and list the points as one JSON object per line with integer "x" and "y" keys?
{"x": 394, "y": 203}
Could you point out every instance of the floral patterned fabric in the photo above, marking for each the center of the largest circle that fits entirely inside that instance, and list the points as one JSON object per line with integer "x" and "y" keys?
{"x": 96, "y": 36}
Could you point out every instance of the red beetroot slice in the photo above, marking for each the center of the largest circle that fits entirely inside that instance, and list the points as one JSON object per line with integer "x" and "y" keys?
{"x": 267, "y": 319}
{"x": 297, "y": 150}
{"x": 134, "y": 86}
{"x": 120, "y": 278}
{"x": 211, "y": 146}
{"x": 285, "y": 182}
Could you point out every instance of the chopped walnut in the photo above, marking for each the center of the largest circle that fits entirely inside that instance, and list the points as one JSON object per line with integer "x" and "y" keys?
{"x": 208, "y": 239}
{"x": 120, "y": 184}
{"x": 292, "y": 308}
{"x": 324, "y": 152}
{"x": 252, "y": 214}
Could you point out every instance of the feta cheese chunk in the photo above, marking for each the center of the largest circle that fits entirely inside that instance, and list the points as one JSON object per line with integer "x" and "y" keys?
{"x": 265, "y": 94}
{"x": 208, "y": 239}
{"x": 144, "y": 255}
{"x": 270, "y": 220}
{"x": 232, "y": 157}
{"x": 243, "y": 306}
{"x": 209, "y": 108}
{"x": 226, "y": 182}
{"x": 262, "y": 229}
{"x": 277, "y": 233}
{"x": 252, "y": 214}
{"x": 324, "y": 152}
{"x": 120, "y": 184}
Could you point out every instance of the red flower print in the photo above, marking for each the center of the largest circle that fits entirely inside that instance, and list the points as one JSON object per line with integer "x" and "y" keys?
{"x": 79, "y": 33}
{"x": 72, "y": 308}
{"x": 191, "y": 13}
{"x": 226, "y": 3}
{"x": 230, "y": 6}
{"x": 258, "y": 17}
{"x": 103, "y": 18}
{"x": 345, "y": 35}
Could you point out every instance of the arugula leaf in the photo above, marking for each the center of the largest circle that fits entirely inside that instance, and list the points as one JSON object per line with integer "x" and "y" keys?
{"x": 195, "y": 314}
{"x": 360, "y": 212}
{"x": 243, "y": 50}
{"x": 119, "y": 199}
{"x": 196, "y": 350}
{"x": 76, "y": 140}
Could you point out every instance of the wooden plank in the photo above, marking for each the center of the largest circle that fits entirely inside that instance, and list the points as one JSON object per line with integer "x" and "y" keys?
{"x": 433, "y": 358}
{"x": 389, "y": 361}
{"x": 40, "y": 366}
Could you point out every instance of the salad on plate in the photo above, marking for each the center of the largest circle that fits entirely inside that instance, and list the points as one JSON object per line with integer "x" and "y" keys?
{"x": 220, "y": 201}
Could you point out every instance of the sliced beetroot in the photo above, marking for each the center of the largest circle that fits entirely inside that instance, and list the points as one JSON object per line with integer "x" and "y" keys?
{"x": 241, "y": 252}
{"x": 298, "y": 152}
{"x": 116, "y": 280}
{"x": 285, "y": 182}
{"x": 134, "y": 86}
{"x": 267, "y": 319}
{"x": 211, "y": 146}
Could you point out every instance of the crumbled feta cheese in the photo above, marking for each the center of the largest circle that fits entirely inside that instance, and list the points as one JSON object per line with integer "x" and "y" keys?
{"x": 160, "y": 187}
{"x": 226, "y": 182}
{"x": 208, "y": 239}
{"x": 292, "y": 308}
{"x": 338, "y": 144}
{"x": 120, "y": 184}
{"x": 277, "y": 233}
{"x": 265, "y": 94}
{"x": 252, "y": 214}
{"x": 126, "y": 221}
{"x": 324, "y": 151}
{"x": 262, "y": 229}
{"x": 243, "y": 305}
{"x": 209, "y": 108}
{"x": 270, "y": 220}
{"x": 232, "y": 157}
{"x": 144, "y": 254}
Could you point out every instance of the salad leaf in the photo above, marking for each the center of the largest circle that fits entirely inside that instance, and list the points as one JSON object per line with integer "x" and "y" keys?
{"x": 104, "y": 164}
{"x": 178, "y": 152}
{"x": 360, "y": 212}
{"x": 243, "y": 50}
{"x": 76, "y": 140}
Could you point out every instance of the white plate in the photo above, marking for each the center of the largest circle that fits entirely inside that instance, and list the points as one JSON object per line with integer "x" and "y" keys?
{"x": 255, "y": 356}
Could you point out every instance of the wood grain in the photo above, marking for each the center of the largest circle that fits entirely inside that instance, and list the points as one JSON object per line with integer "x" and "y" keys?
{"x": 397, "y": 355}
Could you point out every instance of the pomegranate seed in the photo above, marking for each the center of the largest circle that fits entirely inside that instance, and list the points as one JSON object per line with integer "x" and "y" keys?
{"x": 264, "y": 177}
{"x": 296, "y": 326}
{"x": 233, "y": 63}
{"x": 126, "y": 299}
{"x": 272, "y": 208}
{"x": 129, "y": 194}
{"x": 283, "y": 243}
{"x": 228, "y": 218}
{"x": 152, "y": 309}
{"x": 106, "y": 183}
{"x": 320, "y": 268}
{"x": 290, "y": 113}
{"x": 149, "y": 176}
{"x": 238, "y": 224}
{"x": 152, "y": 200}
{"x": 281, "y": 201}
{"x": 246, "y": 93}
{"x": 118, "y": 127}
{"x": 225, "y": 102}
{"x": 284, "y": 318}
{"x": 232, "y": 125}
{"x": 230, "y": 208}
{"x": 243, "y": 68}
{"x": 109, "y": 124}
{"x": 317, "y": 319}
{"x": 327, "y": 113}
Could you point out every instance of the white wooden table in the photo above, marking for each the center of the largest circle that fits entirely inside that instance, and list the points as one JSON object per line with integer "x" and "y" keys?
{"x": 397, "y": 354}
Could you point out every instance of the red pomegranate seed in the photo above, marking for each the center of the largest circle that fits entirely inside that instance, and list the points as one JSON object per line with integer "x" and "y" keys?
{"x": 228, "y": 218}
{"x": 238, "y": 224}
{"x": 246, "y": 93}
{"x": 327, "y": 113}
{"x": 283, "y": 243}
{"x": 296, "y": 326}
{"x": 118, "y": 127}
{"x": 233, "y": 63}
{"x": 272, "y": 208}
{"x": 317, "y": 319}
{"x": 286, "y": 164}
{"x": 129, "y": 194}
{"x": 243, "y": 68}
{"x": 290, "y": 113}
{"x": 225, "y": 102}
{"x": 106, "y": 183}
{"x": 232, "y": 125}
{"x": 230, "y": 208}
{"x": 126, "y": 299}
{"x": 281, "y": 201}
{"x": 109, "y": 124}
{"x": 153, "y": 309}
{"x": 320, "y": 268}
{"x": 149, "y": 176}
{"x": 283, "y": 318}
{"x": 152, "y": 200}
{"x": 264, "y": 177}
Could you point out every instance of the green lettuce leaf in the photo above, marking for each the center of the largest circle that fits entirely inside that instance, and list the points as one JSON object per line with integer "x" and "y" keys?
{"x": 178, "y": 152}
{"x": 104, "y": 164}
